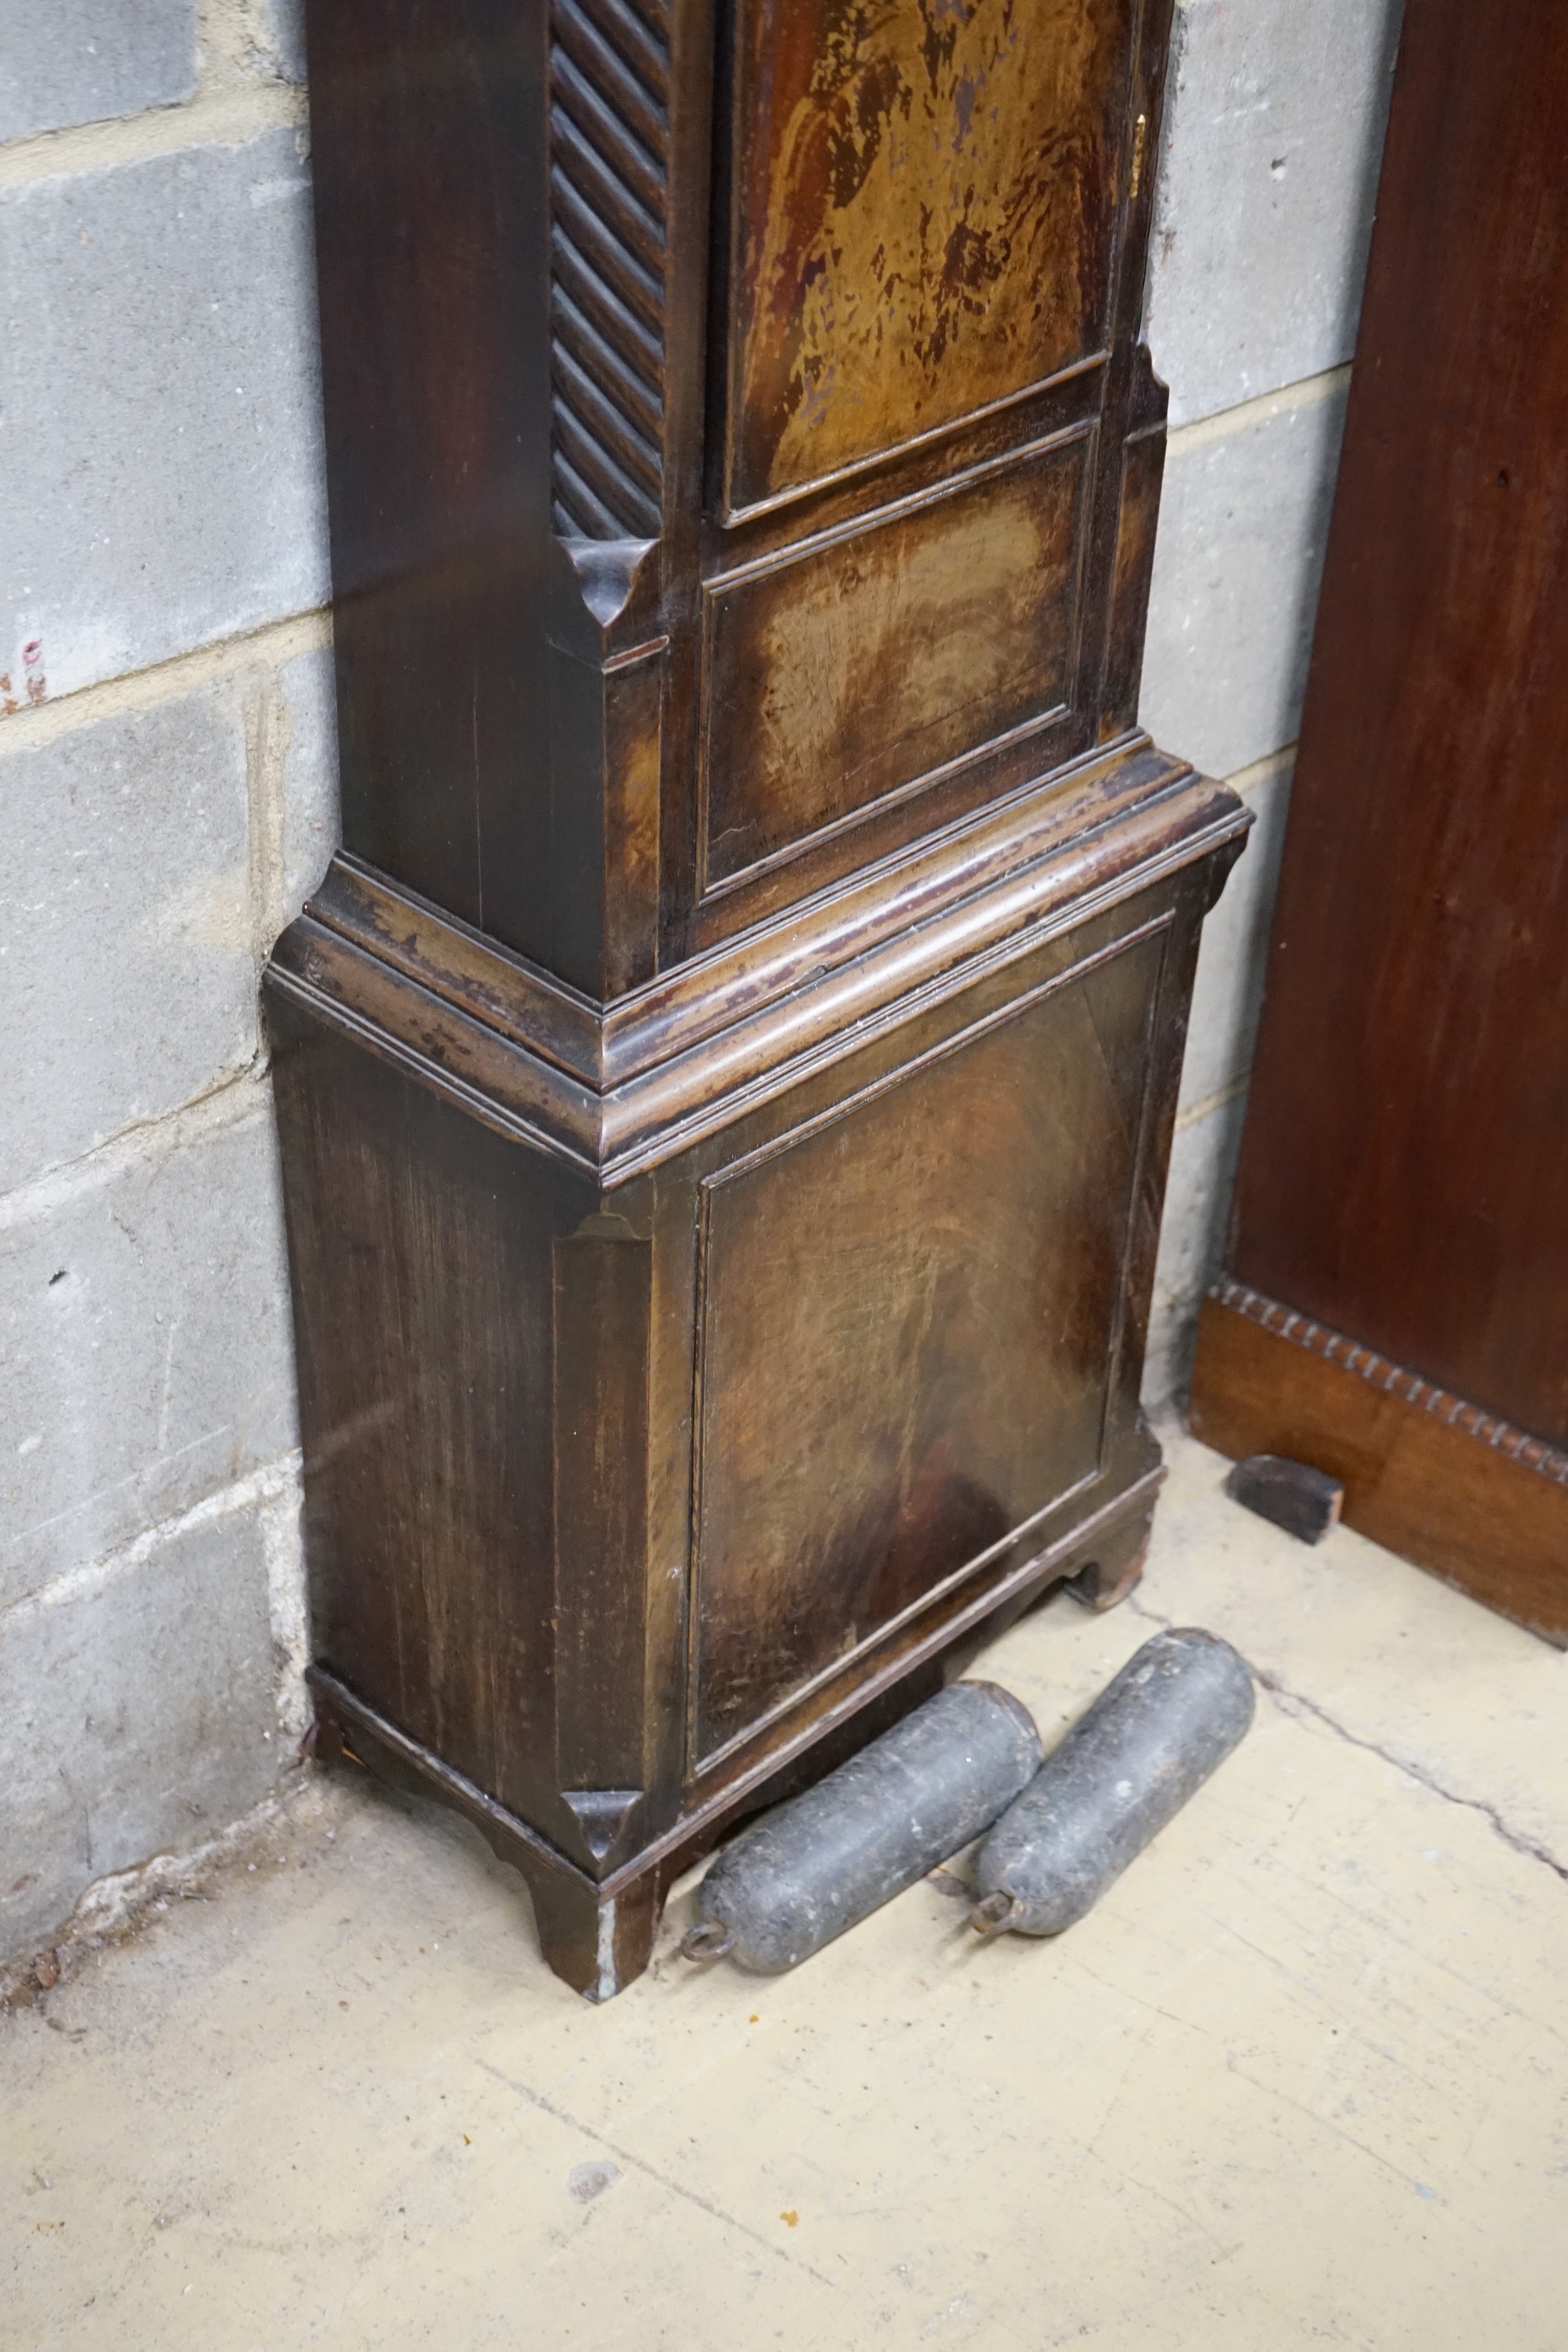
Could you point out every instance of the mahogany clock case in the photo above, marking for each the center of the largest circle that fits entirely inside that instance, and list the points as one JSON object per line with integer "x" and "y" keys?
{"x": 726, "y": 1082}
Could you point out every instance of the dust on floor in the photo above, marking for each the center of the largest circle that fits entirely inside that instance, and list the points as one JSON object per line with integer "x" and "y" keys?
{"x": 1302, "y": 2079}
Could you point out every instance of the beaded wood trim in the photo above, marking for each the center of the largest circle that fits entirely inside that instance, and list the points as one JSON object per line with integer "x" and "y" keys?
{"x": 1391, "y": 1379}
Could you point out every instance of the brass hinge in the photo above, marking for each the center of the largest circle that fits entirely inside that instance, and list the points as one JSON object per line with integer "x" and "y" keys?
{"x": 1141, "y": 132}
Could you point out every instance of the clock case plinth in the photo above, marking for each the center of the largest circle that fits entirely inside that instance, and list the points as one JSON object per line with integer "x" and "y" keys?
{"x": 726, "y": 1081}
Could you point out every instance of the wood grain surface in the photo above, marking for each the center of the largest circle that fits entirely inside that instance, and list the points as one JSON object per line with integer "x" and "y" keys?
{"x": 1437, "y": 1483}
{"x": 726, "y": 1081}
{"x": 923, "y": 219}
{"x": 1404, "y": 1171}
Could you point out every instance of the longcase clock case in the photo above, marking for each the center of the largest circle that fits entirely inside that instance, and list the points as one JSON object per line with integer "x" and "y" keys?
{"x": 726, "y": 1079}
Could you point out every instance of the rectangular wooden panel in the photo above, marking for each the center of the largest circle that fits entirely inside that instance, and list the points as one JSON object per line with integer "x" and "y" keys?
{"x": 907, "y": 1318}
{"x": 868, "y": 663}
{"x": 425, "y": 1412}
{"x": 924, "y": 198}
{"x": 1402, "y": 1170}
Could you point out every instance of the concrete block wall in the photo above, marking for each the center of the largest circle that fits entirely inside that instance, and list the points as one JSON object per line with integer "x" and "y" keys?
{"x": 1273, "y": 136}
{"x": 167, "y": 799}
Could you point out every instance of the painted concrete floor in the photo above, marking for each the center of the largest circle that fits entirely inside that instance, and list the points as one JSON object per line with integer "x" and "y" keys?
{"x": 1300, "y": 2080}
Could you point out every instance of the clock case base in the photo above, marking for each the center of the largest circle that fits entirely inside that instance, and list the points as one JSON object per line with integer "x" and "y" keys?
{"x": 688, "y": 1384}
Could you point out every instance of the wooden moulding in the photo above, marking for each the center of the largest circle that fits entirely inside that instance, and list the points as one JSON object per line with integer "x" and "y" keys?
{"x": 618, "y": 1089}
{"x": 1440, "y": 1481}
{"x": 598, "y": 1932}
{"x": 579, "y": 1286}
{"x": 726, "y": 1082}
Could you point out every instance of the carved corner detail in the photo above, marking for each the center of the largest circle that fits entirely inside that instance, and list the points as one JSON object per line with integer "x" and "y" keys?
{"x": 606, "y": 576}
{"x": 1150, "y": 396}
{"x": 601, "y": 1814}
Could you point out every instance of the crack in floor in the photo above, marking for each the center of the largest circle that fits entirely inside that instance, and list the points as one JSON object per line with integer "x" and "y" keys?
{"x": 1295, "y": 1703}
{"x": 638, "y": 2164}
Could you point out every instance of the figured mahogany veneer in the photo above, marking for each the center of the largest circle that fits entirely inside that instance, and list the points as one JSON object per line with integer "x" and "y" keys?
{"x": 726, "y": 1080}
{"x": 1402, "y": 1178}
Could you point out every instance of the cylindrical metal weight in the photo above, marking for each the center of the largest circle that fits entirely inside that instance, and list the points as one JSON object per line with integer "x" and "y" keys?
{"x": 1148, "y": 1743}
{"x": 829, "y": 1858}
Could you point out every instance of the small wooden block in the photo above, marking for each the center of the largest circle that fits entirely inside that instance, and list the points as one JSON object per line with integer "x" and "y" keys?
{"x": 1303, "y": 1501}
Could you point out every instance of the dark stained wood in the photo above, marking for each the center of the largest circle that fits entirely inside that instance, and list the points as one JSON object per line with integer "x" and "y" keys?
{"x": 864, "y": 1334}
{"x": 622, "y": 1095}
{"x": 727, "y": 1081}
{"x": 1306, "y": 1502}
{"x": 1117, "y": 1571}
{"x": 515, "y": 453}
{"x": 1402, "y": 1173}
{"x": 598, "y": 1934}
{"x": 1142, "y": 471}
{"x": 530, "y": 1396}
{"x": 436, "y": 374}
{"x": 602, "y": 1307}
{"x": 609, "y": 188}
{"x": 607, "y": 731}
{"x": 1426, "y": 1473}
{"x": 426, "y": 1414}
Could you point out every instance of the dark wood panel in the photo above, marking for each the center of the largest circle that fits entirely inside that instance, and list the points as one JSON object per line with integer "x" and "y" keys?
{"x": 1402, "y": 1174}
{"x": 607, "y": 745}
{"x": 1138, "y": 517}
{"x": 924, "y": 204}
{"x": 1434, "y": 1478}
{"x": 420, "y": 1248}
{"x": 878, "y": 1295}
{"x": 869, "y": 665}
{"x": 602, "y": 1310}
{"x": 428, "y": 122}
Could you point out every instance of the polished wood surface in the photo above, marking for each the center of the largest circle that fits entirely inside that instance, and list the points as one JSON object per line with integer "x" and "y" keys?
{"x": 1429, "y": 1475}
{"x": 873, "y": 1296}
{"x": 726, "y": 1082}
{"x": 1402, "y": 1173}
{"x": 589, "y": 704}
{"x": 620, "y": 1091}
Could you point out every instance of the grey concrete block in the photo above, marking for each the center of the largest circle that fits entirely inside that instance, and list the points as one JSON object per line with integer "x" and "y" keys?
{"x": 1228, "y": 996}
{"x": 144, "y": 1345}
{"x": 84, "y": 61}
{"x": 137, "y": 1715}
{"x": 312, "y": 825}
{"x": 1274, "y": 123}
{"x": 125, "y": 930}
{"x": 161, "y": 436}
{"x": 1192, "y": 1243}
{"x": 1237, "y": 566}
